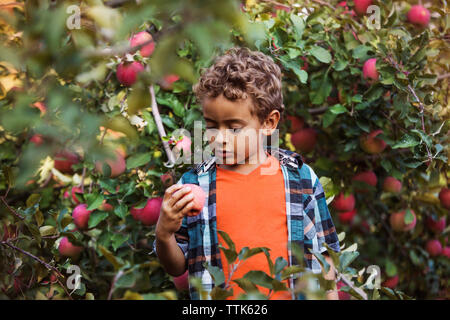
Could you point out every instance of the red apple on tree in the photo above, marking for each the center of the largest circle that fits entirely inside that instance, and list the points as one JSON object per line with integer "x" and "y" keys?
{"x": 390, "y": 282}
{"x": 437, "y": 226}
{"x": 105, "y": 206}
{"x": 419, "y": 15}
{"x": 344, "y": 203}
{"x": 304, "y": 140}
{"x": 446, "y": 252}
{"x": 444, "y": 197}
{"x": 141, "y": 38}
{"x": 347, "y": 217}
{"x": 371, "y": 144}
{"x": 167, "y": 82}
{"x": 391, "y": 184}
{"x": 127, "y": 72}
{"x": 150, "y": 213}
{"x": 296, "y": 123}
{"x": 398, "y": 223}
{"x": 370, "y": 70}
{"x": 64, "y": 160}
{"x": 41, "y": 106}
{"x": 81, "y": 215}
{"x": 67, "y": 249}
{"x": 117, "y": 164}
{"x": 74, "y": 191}
{"x": 361, "y": 6}
{"x": 433, "y": 247}
{"x": 37, "y": 139}
{"x": 367, "y": 177}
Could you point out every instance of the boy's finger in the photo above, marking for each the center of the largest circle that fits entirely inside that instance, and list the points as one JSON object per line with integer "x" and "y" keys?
{"x": 179, "y": 205}
{"x": 173, "y": 188}
{"x": 178, "y": 195}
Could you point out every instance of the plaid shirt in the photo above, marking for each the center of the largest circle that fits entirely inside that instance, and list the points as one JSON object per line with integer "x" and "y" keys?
{"x": 308, "y": 218}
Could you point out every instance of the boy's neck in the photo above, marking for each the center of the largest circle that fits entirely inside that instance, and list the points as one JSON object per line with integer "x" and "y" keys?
{"x": 250, "y": 164}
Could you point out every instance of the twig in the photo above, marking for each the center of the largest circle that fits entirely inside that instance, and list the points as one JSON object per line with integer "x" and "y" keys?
{"x": 118, "y": 50}
{"x": 443, "y": 76}
{"x": 32, "y": 256}
{"x": 113, "y": 284}
{"x": 159, "y": 125}
{"x": 11, "y": 209}
{"x": 350, "y": 284}
{"x": 82, "y": 179}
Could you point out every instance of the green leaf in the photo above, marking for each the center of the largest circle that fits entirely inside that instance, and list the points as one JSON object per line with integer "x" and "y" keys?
{"x": 121, "y": 210}
{"x": 328, "y": 118}
{"x": 338, "y": 109}
{"x": 96, "y": 217}
{"x": 391, "y": 269}
{"x": 118, "y": 239}
{"x": 280, "y": 263}
{"x": 288, "y": 271}
{"x": 138, "y": 160}
{"x": 299, "y": 25}
{"x": 246, "y": 285}
{"x": 128, "y": 280}
{"x": 227, "y": 239}
{"x": 407, "y": 141}
{"x": 320, "y": 54}
{"x": 117, "y": 264}
{"x": 217, "y": 293}
{"x": 409, "y": 217}
{"x": 93, "y": 201}
{"x": 216, "y": 273}
{"x": 230, "y": 255}
{"x": 323, "y": 262}
{"x": 346, "y": 258}
{"x": 259, "y": 278}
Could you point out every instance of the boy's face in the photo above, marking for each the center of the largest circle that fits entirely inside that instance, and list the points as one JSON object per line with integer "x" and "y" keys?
{"x": 234, "y": 134}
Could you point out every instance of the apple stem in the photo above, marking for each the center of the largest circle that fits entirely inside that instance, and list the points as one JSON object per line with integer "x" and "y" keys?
{"x": 159, "y": 125}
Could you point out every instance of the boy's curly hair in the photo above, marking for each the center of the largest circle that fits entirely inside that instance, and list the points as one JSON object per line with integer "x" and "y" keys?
{"x": 240, "y": 73}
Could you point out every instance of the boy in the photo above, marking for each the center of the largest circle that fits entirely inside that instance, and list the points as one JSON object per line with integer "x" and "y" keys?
{"x": 259, "y": 195}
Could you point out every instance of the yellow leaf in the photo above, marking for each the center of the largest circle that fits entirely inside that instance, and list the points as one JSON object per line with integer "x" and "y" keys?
{"x": 130, "y": 295}
{"x": 47, "y": 231}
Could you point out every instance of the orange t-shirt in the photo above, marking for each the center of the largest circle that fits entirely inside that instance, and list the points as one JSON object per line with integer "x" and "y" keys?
{"x": 251, "y": 209}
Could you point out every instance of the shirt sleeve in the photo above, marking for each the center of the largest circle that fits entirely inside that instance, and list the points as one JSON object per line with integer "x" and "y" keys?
{"x": 181, "y": 236}
{"x": 319, "y": 226}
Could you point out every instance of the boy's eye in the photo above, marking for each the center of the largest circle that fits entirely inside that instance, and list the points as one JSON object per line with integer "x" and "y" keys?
{"x": 236, "y": 130}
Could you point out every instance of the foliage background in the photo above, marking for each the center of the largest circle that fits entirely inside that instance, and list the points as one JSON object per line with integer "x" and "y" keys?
{"x": 73, "y": 73}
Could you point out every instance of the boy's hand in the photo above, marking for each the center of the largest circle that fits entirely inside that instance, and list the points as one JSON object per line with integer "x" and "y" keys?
{"x": 177, "y": 202}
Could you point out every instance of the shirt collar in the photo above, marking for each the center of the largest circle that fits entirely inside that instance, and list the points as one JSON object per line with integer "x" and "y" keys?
{"x": 286, "y": 157}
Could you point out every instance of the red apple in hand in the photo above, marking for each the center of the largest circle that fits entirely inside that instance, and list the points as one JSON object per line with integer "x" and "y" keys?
{"x": 371, "y": 144}
{"x": 391, "y": 184}
{"x": 127, "y": 72}
{"x": 67, "y": 249}
{"x": 199, "y": 199}
{"x": 419, "y": 15}
{"x": 397, "y": 221}
{"x": 433, "y": 247}
{"x": 150, "y": 213}
{"x": 182, "y": 282}
{"x": 81, "y": 215}
{"x": 444, "y": 197}
{"x": 344, "y": 203}
{"x": 141, "y": 38}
